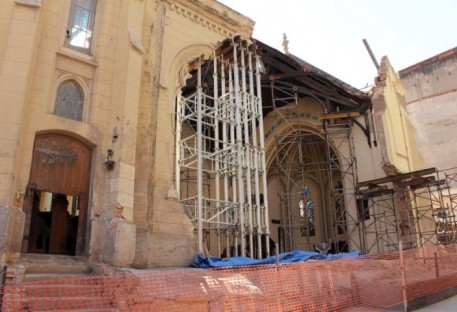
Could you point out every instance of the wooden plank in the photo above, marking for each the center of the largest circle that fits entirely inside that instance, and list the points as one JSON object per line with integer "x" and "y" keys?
{"x": 375, "y": 191}
{"x": 417, "y": 182}
{"x": 340, "y": 115}
{"x": 378, "y": 193}
{"x": 398, "y": 177}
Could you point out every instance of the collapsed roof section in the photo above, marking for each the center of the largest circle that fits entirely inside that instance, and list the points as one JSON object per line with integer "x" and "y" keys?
{"x": 290, "y": 74}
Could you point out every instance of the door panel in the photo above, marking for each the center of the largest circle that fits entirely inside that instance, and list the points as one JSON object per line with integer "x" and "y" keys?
{"x": 61, "y": 165}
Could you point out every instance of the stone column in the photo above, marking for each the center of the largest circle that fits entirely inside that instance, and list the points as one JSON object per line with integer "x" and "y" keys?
{"x": 18, "y": 39}
{"x": 124, "y": 122}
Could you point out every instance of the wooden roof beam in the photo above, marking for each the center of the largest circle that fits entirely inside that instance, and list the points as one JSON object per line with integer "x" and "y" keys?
{"x": 340, "y": 115}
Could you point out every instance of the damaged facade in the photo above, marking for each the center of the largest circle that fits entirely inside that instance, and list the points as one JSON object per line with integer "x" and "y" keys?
{"x": 77, "y": 103}
{"x": 98, "y": 105}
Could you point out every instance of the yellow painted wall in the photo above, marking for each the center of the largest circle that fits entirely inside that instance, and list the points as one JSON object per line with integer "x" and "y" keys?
{"x": 395, "y": 133}
{"x": 130, "y": 81}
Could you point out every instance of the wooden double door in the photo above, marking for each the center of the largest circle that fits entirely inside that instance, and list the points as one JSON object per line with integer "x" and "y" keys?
{"x": 57, "y": 199}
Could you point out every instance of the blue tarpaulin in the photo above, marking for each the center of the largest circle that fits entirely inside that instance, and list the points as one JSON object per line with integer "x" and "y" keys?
{"x": 201, "y": 261}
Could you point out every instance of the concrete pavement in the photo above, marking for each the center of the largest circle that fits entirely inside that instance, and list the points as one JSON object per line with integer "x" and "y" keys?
{"x": 446, "y": 305}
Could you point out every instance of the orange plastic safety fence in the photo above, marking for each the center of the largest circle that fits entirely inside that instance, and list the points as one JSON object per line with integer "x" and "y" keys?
{"x": 371, "y": 282}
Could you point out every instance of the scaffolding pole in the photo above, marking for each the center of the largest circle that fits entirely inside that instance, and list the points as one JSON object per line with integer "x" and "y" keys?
{"x": 290, "y": 145}
{"x": 417, "y": 208}
{"x": 379, "y": 216}
{"x": 342, "y": 173}
{"x": 220, "y": 158}
{"x": 299, "y": 163}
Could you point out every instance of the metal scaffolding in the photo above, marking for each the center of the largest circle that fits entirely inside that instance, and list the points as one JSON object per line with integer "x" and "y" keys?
{"x": 342, "y": 173}
{"x": 418, "y": 208}
{"x": 379, "y": 220}
{"x": 221, "y": 156}
{"x": 323, "y": 154}
{"x": 222, "y": 173}
{"x": 434, "y": 211}
{"x": 294, "y": 160}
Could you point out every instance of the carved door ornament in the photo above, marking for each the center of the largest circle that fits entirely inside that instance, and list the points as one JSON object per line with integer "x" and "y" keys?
{"x": 56, "y": 153}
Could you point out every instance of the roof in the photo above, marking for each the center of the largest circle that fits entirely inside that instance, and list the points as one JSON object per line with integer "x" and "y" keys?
{"x": 307, "y": 75}
{"x": 289, "y": 74}
{"x": 307, "y": 67}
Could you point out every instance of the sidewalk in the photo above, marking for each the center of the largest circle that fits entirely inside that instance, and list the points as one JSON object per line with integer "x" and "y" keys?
{"x": 446, "y": 305}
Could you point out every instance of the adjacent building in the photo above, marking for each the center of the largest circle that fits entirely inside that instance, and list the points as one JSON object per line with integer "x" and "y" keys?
{"x": 431, "y": 101}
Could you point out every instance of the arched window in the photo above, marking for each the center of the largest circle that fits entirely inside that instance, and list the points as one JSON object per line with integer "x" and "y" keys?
{"x": 81, "y": 24}
{"x": 69, "y": 100}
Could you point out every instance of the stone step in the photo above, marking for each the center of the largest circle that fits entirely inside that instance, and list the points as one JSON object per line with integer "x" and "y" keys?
{"x": 58, "y": 295}
{"x": 58, "y": 268}
{"x": 25, "y": 299}
{"x": 55, "y": 277}
{"x": 62, "y": 290}
{"x": 55, "y": 264}
{"x": 57, "y": 283}
{"x": 67, "y": 303}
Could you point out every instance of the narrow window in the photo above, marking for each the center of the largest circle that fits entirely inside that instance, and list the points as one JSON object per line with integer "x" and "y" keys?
{"x": 69, "y": 100}
{"x": 81, "y": 24}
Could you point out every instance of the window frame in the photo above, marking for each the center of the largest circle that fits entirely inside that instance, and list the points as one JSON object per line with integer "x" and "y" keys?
{"x": 89, "y": 25}
{"x": 82, "y": 99}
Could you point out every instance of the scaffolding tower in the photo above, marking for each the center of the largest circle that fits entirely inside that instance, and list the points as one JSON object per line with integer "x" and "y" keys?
{"x": 378, "y": 215}
{"x": 342, "y": 173}
{"x": 435, "y": 209}
{"x": 221, "y": 157}
{"x": 222, "y": 173}
{"x": 447, "y": 230}
{"x": 419, "y": 208}
{"x": 293, "y": 162}
{"x": 333, "y": 165}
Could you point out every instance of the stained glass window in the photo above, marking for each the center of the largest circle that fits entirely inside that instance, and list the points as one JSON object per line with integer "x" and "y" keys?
{"x": 81, "y": 24}
{"x": 69, "y": 100}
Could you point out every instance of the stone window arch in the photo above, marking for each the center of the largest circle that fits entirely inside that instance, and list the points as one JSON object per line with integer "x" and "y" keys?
{"x": 69, "y": 100}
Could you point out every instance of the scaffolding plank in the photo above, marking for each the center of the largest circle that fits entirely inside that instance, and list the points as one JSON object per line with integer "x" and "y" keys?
{"x": 398, "y": 177}
{"x": 340, "y": 115}
{"x": 417, "y": 182}
{"x": 376, "y": 191}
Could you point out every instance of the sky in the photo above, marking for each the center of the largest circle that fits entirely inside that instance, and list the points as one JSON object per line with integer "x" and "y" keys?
{"x": 329, "y": 33}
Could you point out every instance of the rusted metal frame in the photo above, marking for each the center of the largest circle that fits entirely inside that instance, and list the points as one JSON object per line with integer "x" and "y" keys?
{"x": 337, "y": 88}
{"x": 322, "y": 86}
{"x": 367, "y": 127}
{"x": 363, "y": 128}
{"x": 294, "y": 88}
{"x": 324, "y": 99}
{"x": 323, "y": 95}
{"x": 314, "y": 73}
{"x": 323, "y": 89}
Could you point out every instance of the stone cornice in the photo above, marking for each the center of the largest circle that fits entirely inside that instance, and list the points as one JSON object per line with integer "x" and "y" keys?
{"x": 76, "y": 56}
{"x": 213, "y": 15}
{"x": 30, "y": 3}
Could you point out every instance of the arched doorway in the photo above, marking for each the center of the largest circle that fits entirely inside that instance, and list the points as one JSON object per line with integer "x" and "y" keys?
{"x": 307, "y": 211}
{"x": 56, "y": 205}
